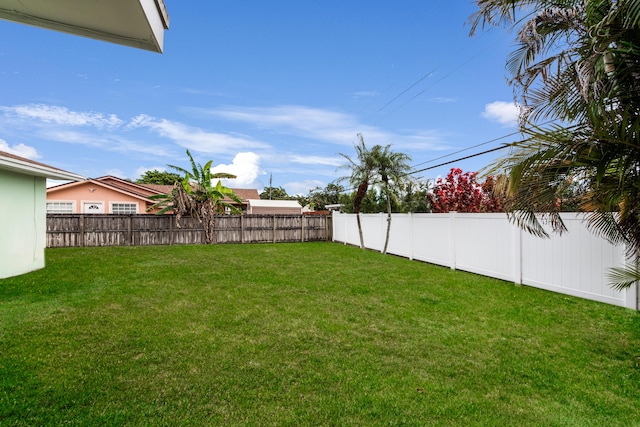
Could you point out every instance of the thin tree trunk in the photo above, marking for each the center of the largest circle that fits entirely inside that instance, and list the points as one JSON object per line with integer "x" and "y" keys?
{"x": 360, "y": 231}
{"x": 386, "y": 241}
{"x": 360, "y": 194}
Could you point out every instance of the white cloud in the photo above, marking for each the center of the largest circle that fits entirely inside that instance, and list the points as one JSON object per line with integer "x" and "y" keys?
{"x": 505, "y": 113}
{"x": 194, "y": 138}
{"x": 246, "y": 168}
{"x": 297, "y": 120}
{"x": 61, "y": 116}
{"x": 327, "y": 126}
{"x": 105, "y": 141}
{"x": 365, "y": 94}
{"x": 302, "y": 187}
{"x": 19, "y": 150}
{"x": 444, "y": 100}
{"x": 316, "y": 160}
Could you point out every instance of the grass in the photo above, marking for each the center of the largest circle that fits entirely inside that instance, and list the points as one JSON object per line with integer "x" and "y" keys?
{"x": 303, "y": 334}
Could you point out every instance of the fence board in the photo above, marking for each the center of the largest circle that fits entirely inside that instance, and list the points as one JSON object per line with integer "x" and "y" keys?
{"x": 74, "y": 230}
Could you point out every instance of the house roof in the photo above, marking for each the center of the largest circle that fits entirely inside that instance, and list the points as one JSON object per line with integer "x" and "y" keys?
{"x": 160, "y": 188}
{"x": 135, "y": 23}
{"x": 246, "y": 193}
{"x": 274, "y": 203}
{"x": 98, "y": 183}
{"x": 143, "y": 191}
{"x": 140, "y": 189}
{"x": 22, "y": 165}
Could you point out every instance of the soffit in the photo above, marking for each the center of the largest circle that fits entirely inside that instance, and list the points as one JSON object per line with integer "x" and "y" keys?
{"x": 21, "y": 165}
{"x": 135, "y": 23}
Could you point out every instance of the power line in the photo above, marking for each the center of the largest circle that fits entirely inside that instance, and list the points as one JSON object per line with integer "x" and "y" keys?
{"x": 479, "y": 145}
{"x": 470, "y": 59}
{"x": 502, "y": 147}
{"x": 428, "y": 87}
{"x": 468, "y": 148}
{"x": 430, "y": 73}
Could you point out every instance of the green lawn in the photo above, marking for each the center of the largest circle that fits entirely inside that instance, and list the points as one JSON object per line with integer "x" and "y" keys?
{"x": 314, "y": 334}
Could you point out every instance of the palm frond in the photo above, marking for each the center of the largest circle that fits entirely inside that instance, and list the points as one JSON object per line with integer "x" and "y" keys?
{"x": 622, "y": 278}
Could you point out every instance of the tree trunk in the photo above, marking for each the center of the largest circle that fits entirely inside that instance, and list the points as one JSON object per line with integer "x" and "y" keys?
{"x": 208, "y": 220}
{"x": 357, "y": 202}
{"x": 360, "y": 231}
{"x": 386, "y": 241}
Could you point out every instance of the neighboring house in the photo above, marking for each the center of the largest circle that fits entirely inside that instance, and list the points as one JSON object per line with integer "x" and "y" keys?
{"x": 271, "y": 207}
{"x": 334, "y": 207}
{"x": 112, "y": 195}
{"x": 246, "y": 194}
{"x": 135, "y": 23}
{"x": 107, "y": 194}
{"x": 23, "y": 219}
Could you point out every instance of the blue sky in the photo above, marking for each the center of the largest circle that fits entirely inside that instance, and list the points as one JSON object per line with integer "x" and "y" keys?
{"x": 261, "y": 88}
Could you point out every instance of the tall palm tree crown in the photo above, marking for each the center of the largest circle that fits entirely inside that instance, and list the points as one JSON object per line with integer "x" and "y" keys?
{"x": 576, "y": 76}
{"x": 362, "y": 174}
{"x": 392, "y": 169}
{"x": 379, "y": 165}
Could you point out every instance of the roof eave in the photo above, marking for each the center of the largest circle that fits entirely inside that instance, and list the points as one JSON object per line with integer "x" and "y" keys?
{"x": 155, "y": 14}
{"x": 19, "y": 166}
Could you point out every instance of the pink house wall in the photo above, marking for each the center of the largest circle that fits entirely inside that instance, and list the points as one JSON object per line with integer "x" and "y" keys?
{"x": 88, "y": 192}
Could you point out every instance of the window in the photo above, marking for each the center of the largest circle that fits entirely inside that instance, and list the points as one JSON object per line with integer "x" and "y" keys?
{"x": 60, "y": 207}
{"x": 124, "y": 208}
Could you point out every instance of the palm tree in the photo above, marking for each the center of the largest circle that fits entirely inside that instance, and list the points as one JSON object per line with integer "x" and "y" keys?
{"x": 576, "y": 74}
{"x": 196, "y": 196}
{"x": 362, "y": 176}
{"x": 393, "y": 170}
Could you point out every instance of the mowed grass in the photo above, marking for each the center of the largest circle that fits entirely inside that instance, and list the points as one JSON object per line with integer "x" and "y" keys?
{"x": 303, "y": 334}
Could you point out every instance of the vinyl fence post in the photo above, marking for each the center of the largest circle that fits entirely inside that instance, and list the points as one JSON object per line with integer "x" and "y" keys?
{"x": 383, "y": 231}
{"x": 346, "y": 220}
{"x": 517, "y": 261}
{"x": 452, "y": 231}
{"x": 411, "y": 249}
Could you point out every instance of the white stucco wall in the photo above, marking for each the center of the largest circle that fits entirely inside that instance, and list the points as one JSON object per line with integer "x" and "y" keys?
{"x": 22, "y": 223}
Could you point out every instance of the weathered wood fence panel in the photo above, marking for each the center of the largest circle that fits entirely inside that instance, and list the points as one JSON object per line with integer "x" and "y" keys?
{"x": 74, "y": 230}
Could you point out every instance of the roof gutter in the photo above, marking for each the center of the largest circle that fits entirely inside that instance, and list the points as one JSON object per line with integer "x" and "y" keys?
{"x": 37, "y": 169}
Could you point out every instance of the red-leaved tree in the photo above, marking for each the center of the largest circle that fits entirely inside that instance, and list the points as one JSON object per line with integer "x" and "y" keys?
{"x": 461, "y": 192}
{"x": 493, "y": 201}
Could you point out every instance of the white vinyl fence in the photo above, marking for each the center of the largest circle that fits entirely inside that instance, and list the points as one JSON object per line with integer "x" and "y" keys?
{"x": 574, "y": 263}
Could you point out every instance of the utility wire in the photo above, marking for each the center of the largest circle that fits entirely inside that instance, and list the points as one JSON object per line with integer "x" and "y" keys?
{"x": 470, "y": 59}
{"x": 430, "y": 73}
{"x": 478, "y": 145}
{"x": 427, "y": 88}
{"x": 468, "y": 148}
{"x": 502, "y": 147}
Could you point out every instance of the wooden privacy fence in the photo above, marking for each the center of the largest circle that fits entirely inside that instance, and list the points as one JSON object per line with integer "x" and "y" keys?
{"x": 75, "y": 230}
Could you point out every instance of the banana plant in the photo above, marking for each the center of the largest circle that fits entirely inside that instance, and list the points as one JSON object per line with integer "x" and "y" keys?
{"x": 195, "y": 195}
